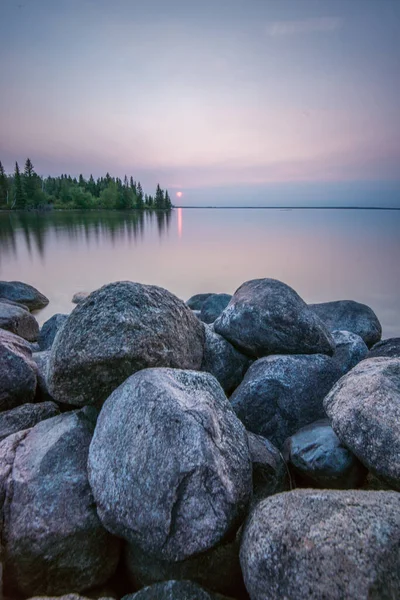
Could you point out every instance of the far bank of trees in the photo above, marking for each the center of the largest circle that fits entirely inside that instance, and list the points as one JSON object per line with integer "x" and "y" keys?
{"x": 26, "y": 190}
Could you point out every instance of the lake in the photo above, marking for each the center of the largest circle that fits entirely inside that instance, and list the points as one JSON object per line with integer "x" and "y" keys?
{"x": 323, "y": 254}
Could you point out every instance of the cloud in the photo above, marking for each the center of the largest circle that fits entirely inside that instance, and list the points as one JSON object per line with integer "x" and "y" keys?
{"x": 283, "y": 28}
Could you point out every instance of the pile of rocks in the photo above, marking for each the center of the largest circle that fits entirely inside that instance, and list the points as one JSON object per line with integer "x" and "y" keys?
{"x": 227, "y": 447}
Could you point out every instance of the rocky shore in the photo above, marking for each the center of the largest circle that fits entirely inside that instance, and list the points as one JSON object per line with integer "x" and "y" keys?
{"x": 243, "y": 446}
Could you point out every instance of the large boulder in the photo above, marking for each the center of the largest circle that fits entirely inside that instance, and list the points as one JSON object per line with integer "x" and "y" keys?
{"x": 42, "y": 360}
{"x": 23, "y": 294}
{"x": 196, "y": 302}
{"x": 49, "y": 330}
{"x": 25, "y": 417}
{"x": 270, "y": 472}
{"x": 323, "y": 544}
{"x": 266, "y": 316}
{"x": 318, "y": 459}
{"x": 389, "y": 348}
{"x": 348, "y": 315}
{"x": 18, "y": 321}
{"x": 279, "y": 394}
{"x": 52, "y": 537}
{"x": 118, "y": 330}
{"x": 222, "y": 360}
{"x": 213, "y": 306}
{"x": 12, "y": 303}
{"x": 350, "y": 349}
{"x": 17, "y": 371}
{"x": 172, "y": 590}
{"x": 364, "y": 410}
{"x": 169, "y": 463}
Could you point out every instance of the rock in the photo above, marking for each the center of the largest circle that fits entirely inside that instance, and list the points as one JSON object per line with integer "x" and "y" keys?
{"x": 222, "y": 360}
{"x": 364, "y": 410}
{"x": 23, "y": 294}
{"x": 169, "y": 464}
{"x": 351, "y": 316}
{"x": 389, "y": 348}
{"x": 323, "y": 544}
{"x": 121, "y": 328}
{"x": 41, "y": 360}
{"x": 172, "y": 590}
{"x": 350, "y": 350}
{"x": 17, "y": 371}
{"x": 319, "y": 459}
{"x": 80, "y": 297}
{"x": 266, "y": 316}
{"x": 196, "y": 302}
{"x": 72, "y": 597}
{"x": 53, "y": 540}
{"x": 12, "y": 303}
{"x": 279, "y": 394}
{"x": 25, "y": 416}
{"x": 18, "y": 321}
{"x": 213, "y": 307}
{"x": 270, "y": 472}
{"x": 49, "y": 330}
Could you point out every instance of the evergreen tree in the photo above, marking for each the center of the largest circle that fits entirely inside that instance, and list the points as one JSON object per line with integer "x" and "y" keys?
{"x": 82, "y": 182}
{"x": 30, "y": 182}
{"x": 19, "y": 196}
{"x": 168, "y": 203}
{"x": 3, "y": 187}
{"x": 159, "y": 201}
{"x": 139, "y": 196}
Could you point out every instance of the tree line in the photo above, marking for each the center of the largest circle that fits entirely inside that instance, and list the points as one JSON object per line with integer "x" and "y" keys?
{"x": 26, "y": 190}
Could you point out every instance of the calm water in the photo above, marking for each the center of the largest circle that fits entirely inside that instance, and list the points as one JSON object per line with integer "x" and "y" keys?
{"x": 323, "y": 254}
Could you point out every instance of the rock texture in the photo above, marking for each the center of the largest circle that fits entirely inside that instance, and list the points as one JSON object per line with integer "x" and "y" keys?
{"x": 49, "y": 330}
{"x": 270, "y": 472}
{"x": 319, "y": 459}
{"x": 389, "y": 348}
{"x": 80, "y": 297}
{"x": 18, "y": 321}
{"x": 266, "y": 316}
{"x": 213, "y": 306}
{"x": 309, "y": 544}
{"x": 348, "y": 315}
{"x": 23, "y": 294}
{"x": 364, "y": 410}
{"x": 349, "y": 351}
{"x": 17, "y": 371}
{"x": 169, "y": 463}
{"x": 196, "y": 302}
{"x": 121, "y": 328}
{"x": 53, "y": 540}
{"x": 25, "y": 417}
{"x": 172, "y": 590}
{"x": 42, "y": 360}
{"x": 222, "y": 360}
{"x": 12, "y": 303}
{"x": 279, "y": 394}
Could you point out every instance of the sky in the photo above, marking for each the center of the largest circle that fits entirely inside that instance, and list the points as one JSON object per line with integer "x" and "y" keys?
{"x": 228, "y": 101}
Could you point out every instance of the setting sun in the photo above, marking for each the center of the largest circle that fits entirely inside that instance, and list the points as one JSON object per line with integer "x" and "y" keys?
{"x": 179, "y": 194}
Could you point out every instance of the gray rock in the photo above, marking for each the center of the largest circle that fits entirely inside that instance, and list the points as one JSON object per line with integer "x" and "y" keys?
{"x": 169, "y": 463}
{"x": 17, "y": 371}
{"x": 213, "y": 307}
{"x": 222, "y": 360}
{"x": 12, "y": 303}
{"x": 172, "y": 590}
{"x": 364, "y": 410}
{"x": 121, "y": 328}
{"x": 266, "y": 316}
{"x": 350, "y": 350}
{"x": 348, "y": 315}
{"x": 323, "y": 544}
{"x": 23, "y": 294}
{"x": 18, "y": 321}
{"x": 389, "y": 348}
{"x": 319, "y": 459}
{"x": 53, "y": 540}
{"x": 80, "y": 297}
{"x": 279, "y": 394}
{"x": 42, "y": 360}
{"x": 25, "y": 416}
{"x": 270, "y": 472}
{"x": 49, "y": 330}
{"x": 73, "y": 597}
{"x": 196, "y": 302}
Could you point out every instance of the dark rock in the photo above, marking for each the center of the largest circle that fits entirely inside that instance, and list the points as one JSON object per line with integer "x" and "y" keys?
{"x": 80, "y": 297}
{"x": 17, "y": 371}
{"x": 12, "y": 303}
{"x": 389, "y": 348}
{"x": 196, "y": 302}
{"x": 319, "y": 459}
{"x": 25, "y": 417}
{"x": 121, "y": 328}
{"x": 42, "y": 360}
{"x": 364, "y": 410}
{"x": 49, "y": 330}
{"x": 169, "y": 463}
{"x": 18, "y": 321}
{"x": 172, "y": 590}
{"x": 266, "y": 316}
{"x": 270, "y": 472}
{"x": 279, "y": 394}
{"x": 53, "y": 540}
{"x": 350, "y": 350}
{"x": 323, "y": 544}
{"x": 74, "y": 597}
{"x": 213, "y": 307}
{"x": 222, "y": 360}
{"x": 347, "y": 315}
{"x": 23, "y": 294}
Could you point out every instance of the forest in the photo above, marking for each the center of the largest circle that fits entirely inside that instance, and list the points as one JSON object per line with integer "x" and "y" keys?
{"x": 26, "y": 190}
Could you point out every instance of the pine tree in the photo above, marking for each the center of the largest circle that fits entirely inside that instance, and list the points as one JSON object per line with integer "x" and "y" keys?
{"x": 139, "y": 196}
{"x": 160, "y": 201}
{"x": 3, "y": 187}
{"x": 19, "y": 196}
{"x": 30, "y": 182}
{"x": 168, "y": 203}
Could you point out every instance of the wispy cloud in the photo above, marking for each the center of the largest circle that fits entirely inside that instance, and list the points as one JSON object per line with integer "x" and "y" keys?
{"x": 283, "y": 28}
